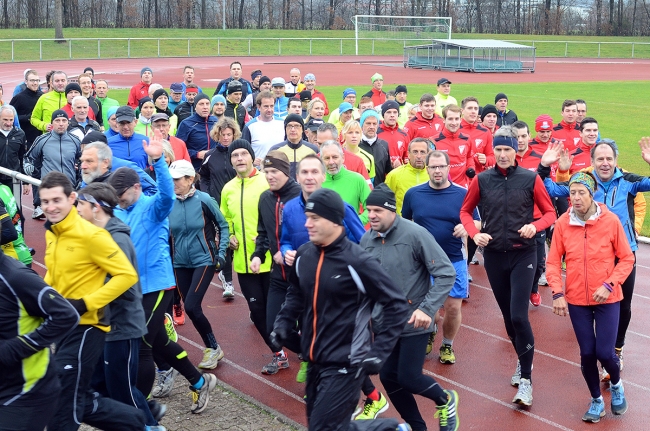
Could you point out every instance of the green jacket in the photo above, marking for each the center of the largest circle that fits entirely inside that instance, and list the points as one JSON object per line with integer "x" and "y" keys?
{"x": 16, "y": 249}
{"x": 352, "y": 188}
{"x": 239, "y": 205}
{"x": 46, "y": 105}
{"x": 107, "y": 103}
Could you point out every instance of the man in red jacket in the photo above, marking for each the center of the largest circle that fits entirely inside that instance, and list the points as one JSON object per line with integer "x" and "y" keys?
{"x": 141, "y": 89}
{"x": 310, "y": 85}
{"x": 479, "y": 137}
{"x": 426, "y": 123}
{"x": 457, "y": 146}
{"x": 376, "y": 93}
{"x": 567, "y": 131}
{"x": 390, "y": 132}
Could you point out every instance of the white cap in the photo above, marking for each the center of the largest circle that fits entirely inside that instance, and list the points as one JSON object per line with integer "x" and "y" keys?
{"x": 181, "y": 168}
{"x": 277, "y": 82}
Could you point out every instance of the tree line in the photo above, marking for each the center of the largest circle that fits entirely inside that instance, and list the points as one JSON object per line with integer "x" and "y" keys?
{"x": 551, "y": 17}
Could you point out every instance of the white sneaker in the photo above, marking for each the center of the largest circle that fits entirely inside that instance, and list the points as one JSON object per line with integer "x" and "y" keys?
{"x": 524, "y": 393}
{"x": 228, "y": 291}
{"x": 38, "y": 213}
{"x": 211, "y": 358}
{"x": 516, "y": 377}
{"x": 542, "y": 280}
{"x": 222, "y": 279}
{"x": 200, "y": 397}
{"x": 164, "y": 383}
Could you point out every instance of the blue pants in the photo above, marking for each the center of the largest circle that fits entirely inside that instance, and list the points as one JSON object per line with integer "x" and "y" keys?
{"x": 596, "y": 343}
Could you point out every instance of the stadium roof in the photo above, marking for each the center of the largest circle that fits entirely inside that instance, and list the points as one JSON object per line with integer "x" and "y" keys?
{"x": 480, "y": 43}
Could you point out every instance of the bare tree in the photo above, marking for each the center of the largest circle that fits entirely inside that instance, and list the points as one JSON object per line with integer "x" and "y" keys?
{"x": 58, "y": 20}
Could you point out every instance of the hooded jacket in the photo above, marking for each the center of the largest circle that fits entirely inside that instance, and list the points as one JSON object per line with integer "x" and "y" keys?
{"x": 216, "y": 171}
{"x": 54, "y": 152}
{"x": 148, "y": 217}
{"x": 334, "y": 288}
{"x": 420, "y": 127}
{"x": 130, "y": 149}
{"x": 194, "y": 224}
{"x": 595, "y": 253}
{"x": 24, "y": 103}
{"x": 127, "y": 315}
{"x": 45, "y": 106}
{"x": 269, "y": 224}
{"x": 195, "y": 132}
{"x": 408, "y": 253}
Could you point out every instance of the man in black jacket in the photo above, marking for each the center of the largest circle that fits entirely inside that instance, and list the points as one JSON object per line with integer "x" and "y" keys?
{"x": 24, "y": 103}
{"x": 12, "y": 145}
{"x": 282, "y": 188}
{"x": 234, "y": 108}
{"x": 185, "y": 109}
{"x": 334, "y": 287}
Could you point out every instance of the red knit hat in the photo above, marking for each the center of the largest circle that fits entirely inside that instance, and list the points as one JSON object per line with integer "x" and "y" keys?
{"x": 543, "y": 122}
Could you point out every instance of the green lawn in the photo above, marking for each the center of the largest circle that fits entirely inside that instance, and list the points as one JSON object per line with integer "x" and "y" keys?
{"x": 266, "y": 42}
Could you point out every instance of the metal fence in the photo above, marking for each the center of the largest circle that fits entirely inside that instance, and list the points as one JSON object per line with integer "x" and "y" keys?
{"x": 14, "y": 50}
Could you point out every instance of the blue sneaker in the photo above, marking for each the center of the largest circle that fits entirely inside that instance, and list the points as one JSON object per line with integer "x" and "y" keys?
{"x": 596, "y": 411}
{"x": 448, "y": 413}
{"x": 404, "y": 427}
{"x": 619, "y": 404}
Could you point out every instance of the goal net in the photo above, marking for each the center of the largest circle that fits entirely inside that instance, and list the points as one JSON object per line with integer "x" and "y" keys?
{"x": 400, "y": 28}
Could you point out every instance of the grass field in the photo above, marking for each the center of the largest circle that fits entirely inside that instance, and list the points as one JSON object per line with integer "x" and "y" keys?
{"x": 266, "y": 42}
{"x": 613, "y": 104}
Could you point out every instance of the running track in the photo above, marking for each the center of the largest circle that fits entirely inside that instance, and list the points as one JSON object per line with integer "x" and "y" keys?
{"x": 485, "y": 358}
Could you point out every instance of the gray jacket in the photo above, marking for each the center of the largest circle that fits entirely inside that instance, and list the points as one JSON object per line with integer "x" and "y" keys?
{"x": 54, "y": 152}
{"x": 411, "y": 256}
{"x": 126, "y": 312}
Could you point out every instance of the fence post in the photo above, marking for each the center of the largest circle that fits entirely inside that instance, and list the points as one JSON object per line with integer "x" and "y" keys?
{"x": 99, "y": 48}
{"x": 70, "y": 47}
{"x": 40, "y": 49}
{"x": 279, "y": 46}
{"x": 373, "y": 47}
{"x": 12, "y": 50}
{"x": 341, "y": 46}
{"x": 159, "y": 47}
{"x": 598, "y": 49}
{"x": 310, "y": 40}
{"x": 128, "y": 49}
{"x": 188, "y": 46}
{"x": 632, "y": 49}
{"x": 218, "y": 47}
{"x": 566, "y": 49}
{"x": 249, "y": 46}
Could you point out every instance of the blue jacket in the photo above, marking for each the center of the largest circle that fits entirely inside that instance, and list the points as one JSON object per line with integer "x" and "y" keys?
{"x": 294, "y": 233}
{"x": 280, "y": 108}
{"x": 193, "y": 236}
{"x": 615, "y": 195}
{"x": 130, "y": 149}
{"x": 150, "y": 232}
{"x": 149, "y": 186}
{"x": 195, "y": 132}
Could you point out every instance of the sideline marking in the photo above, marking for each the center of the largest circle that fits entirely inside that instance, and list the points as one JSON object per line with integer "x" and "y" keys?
{"x": 588, "y": 62}
{"x": 247, "y": 372}
{"x": 498, "y": 401}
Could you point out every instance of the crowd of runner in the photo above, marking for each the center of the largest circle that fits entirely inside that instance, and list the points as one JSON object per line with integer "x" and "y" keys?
{"x": 350, "y": 226}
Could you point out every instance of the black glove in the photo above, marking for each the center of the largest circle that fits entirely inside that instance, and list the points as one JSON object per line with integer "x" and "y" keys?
{"x": 221, "y": 263}
{"x": 79, "y": 305}
{"x": 471, "y": 173}
{"x": 277, "y": 338}
{"x": 370, "y": 366}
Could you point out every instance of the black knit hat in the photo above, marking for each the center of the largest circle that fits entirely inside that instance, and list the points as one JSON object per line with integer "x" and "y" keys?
{"x": 500, "y": 96}
{"x": 488, "y": 109}
{"x": 199, "y": 97}
{"x": 389, "y": 104}
{"x": 233, "y": 87}
{"x": 144, "y": 100}
{"x": 158, "y": 93}
{"x": 240, "y": 143}
{"x": 295, "y": 118}
{"x": 400, "y": 89}
{"x": 59, "y": 113}
{"x": 94, "y": 136}
{"x": 277, "y": 160}
{"x": 382, "y": 196}
{"x": 264, "y": 79}
{"x": 72, "y": 86}
{"x": 327, "y": 204}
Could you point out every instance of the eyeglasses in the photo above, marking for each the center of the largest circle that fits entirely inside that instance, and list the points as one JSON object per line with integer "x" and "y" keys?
{"x": 437, "y": 168}
{"x": 33, "y": 80}
{"x": 293, "y": 126}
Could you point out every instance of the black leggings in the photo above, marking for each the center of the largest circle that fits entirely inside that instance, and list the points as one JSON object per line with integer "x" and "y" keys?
{"x": 511, "y": 277}
{"x": 402, "y": 377}
{"x": 626, "y": 306}
{"x": 192, "y": 284}
{"x": 155, "y": 304}
{"x": 255, "y": 288}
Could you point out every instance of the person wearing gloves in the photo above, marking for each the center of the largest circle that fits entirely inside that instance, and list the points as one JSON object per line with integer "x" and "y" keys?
{"x": 406, "y": 249}
{"x": 195, "y": 253}
{"x": 598, "y": 260}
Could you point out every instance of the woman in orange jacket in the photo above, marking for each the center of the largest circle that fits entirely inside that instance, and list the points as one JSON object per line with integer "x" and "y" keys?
{"x": 598, "y": 259}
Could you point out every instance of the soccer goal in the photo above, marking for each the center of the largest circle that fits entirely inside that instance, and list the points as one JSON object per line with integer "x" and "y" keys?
{"x": 400, "y": 28}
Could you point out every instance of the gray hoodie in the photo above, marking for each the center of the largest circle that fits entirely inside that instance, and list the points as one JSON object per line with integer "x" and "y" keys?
{"x": 411, "y": 256}
{"x": 126, "y": 312}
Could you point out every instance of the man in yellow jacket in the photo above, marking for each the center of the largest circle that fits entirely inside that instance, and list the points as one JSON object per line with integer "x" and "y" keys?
{"x": 50, "y": 102}
{"x": 411, "y": 174}
{"x": 79, "y": 256}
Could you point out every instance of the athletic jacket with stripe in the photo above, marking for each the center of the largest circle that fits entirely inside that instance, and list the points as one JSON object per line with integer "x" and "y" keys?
{"x": 54, "y": 152}
{"x": 461, "y": 154}
{"x": 335, "y": 288}
{"x": 295, "y": 153}
{"x": 32, "y": 317}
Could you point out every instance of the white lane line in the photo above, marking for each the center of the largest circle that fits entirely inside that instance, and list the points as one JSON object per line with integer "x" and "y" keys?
{"x": 247, "y": 372}
{"x": 511, "y": 406}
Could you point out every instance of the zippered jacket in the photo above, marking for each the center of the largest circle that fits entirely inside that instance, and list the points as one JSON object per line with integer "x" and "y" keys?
{"x": 216, "y": 171}
{"x": 195, "y": 132}
{"x": 12, "y": 150}
{"x": 54, "y": 152}
{"x": 130, "y": 149}
{"x": 46, "y": 105}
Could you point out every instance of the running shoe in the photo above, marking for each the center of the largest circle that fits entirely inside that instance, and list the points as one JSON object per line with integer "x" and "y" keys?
{"x": 179, "y": 314}
{"x": 596, "y": 411}
{"x": 619, "y": 403}
{"x": 228, "y": 291}
{"x": 447, "y": 355}
{"x": 542, "y": 280}
{"x": 200, "y": 397}
{"x": 524, "y": 393}
{"x": 164, "y": 383}
{"x": 157, "y": 410}
{"x": 211, "y": 358}
{"x": 474, "y": 261}
{"x": 535, "y": 299}
{"x": 469, "y": 278}
{"x": 516, "y": 377}
{"x": 169, "y": 328}
{"x": 432, "y": 337}
{"x": 604, "y": 375}
{"x": 301, "y": 377}
{"x": 619, "y": 353}
{"x": 448, "y": 414}
{"x": 404, "y": 427}
{"x": 38, "y": 214}
{"x": 154, "y": 428}
{"x": 222, "y": 279}
{"x": 372, "y": 409}
{"x": 279, "y": 362}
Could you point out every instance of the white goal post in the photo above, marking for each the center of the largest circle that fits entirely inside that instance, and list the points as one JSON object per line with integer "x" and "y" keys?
{"x": 400, "y": 27}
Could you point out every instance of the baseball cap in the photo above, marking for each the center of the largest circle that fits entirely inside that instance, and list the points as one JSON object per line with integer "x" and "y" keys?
{"x": 181, "y": 168}
{"x": 124, "y": 113}
{"x": 159, "y": 116}
{"x": 123, "y": 179}
{"x": 313, "y": 124}
{"x": 443, "y": 81}
{"x": 278, "y": 82}
{"x": 345, "y": 107}
{"x": 176, "y": 87}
